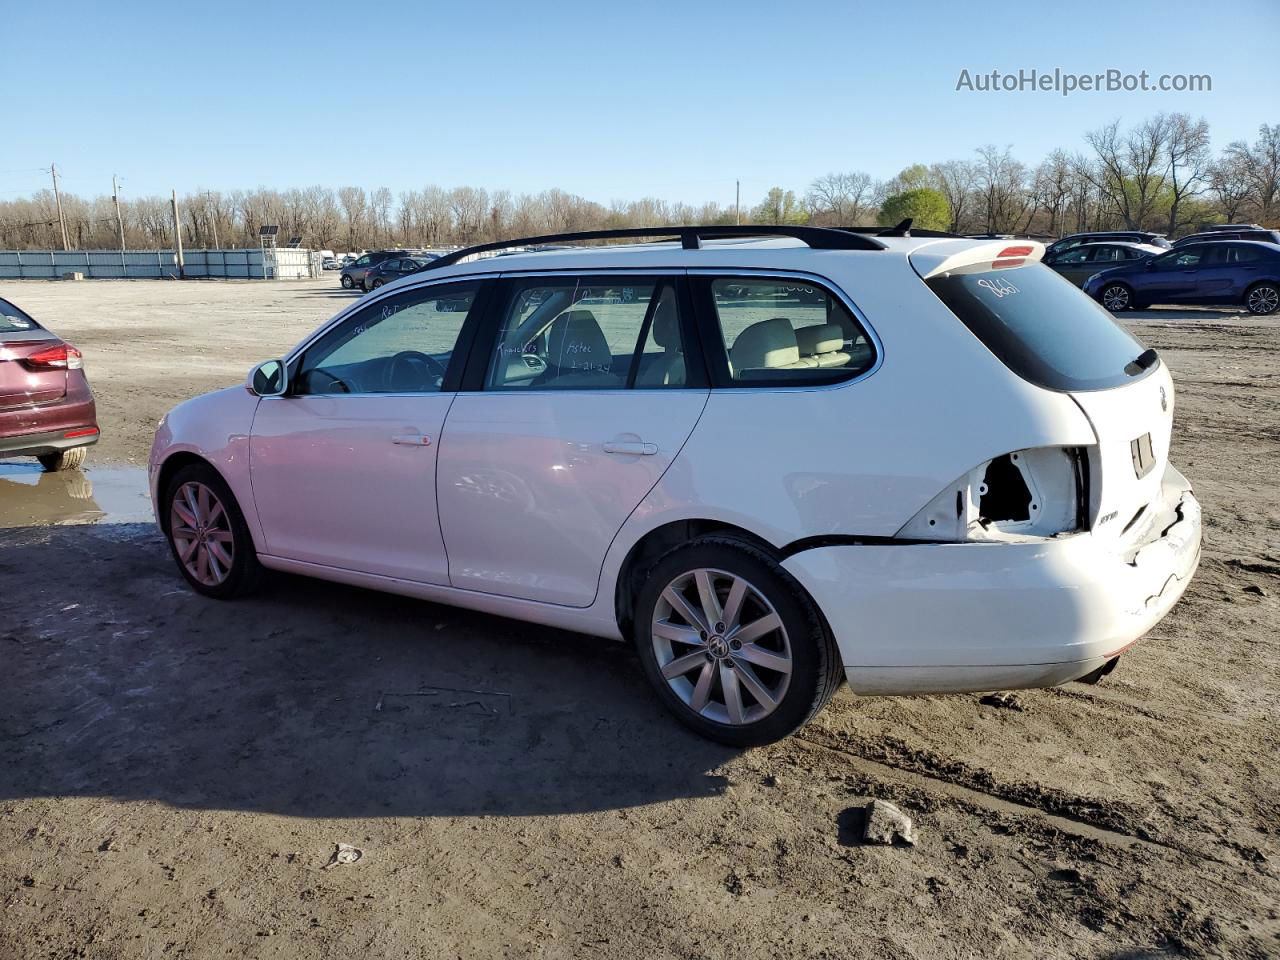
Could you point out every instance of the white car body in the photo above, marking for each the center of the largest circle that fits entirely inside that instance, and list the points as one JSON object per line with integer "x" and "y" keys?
{"x": 514, "y": 504}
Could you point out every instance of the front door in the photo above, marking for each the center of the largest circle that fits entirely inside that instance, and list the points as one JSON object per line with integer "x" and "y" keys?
{"x": 588, "y": 392}
{"x": 1173, "y": 276}
{"x": 343, "y": 466}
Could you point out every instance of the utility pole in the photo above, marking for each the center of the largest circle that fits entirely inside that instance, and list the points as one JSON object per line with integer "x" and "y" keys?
{"x": 115, "y": 198}
{"x": 737, "y": 200}
{"x": 177, "y": 232}
{"x": 57, "y": 196}
{"x": 213, "y": 217}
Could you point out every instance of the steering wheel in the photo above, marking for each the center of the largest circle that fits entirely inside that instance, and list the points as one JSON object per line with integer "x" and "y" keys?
{"x": 415, "y": 364}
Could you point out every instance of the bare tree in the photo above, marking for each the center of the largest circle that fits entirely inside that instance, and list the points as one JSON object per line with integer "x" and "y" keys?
{"x": 1230, "y": 186}
{"x": 1002, "y": 183}
{"x": 1129, "y": 171}
{"x": 840, "y": 199}
{"x": 1260, "y": 162}
{"x": 956, "y": 181}
{"x": 1187, "y": 154}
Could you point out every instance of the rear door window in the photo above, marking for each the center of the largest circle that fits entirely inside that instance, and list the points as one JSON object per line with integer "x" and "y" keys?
{"x": 13, "y": 320}
{"x": 784, "y": 332}
{"x": 1044, "y": 330}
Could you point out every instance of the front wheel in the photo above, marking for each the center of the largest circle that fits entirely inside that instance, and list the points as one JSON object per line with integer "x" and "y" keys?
{"x": 207, "y": 534}
{"x": 1116, "y": 297}
{"x": 377, "y": 283}
{"x": 64, "y": 459}
{"x": 732, "y": 644}
{"x": 1262, "y": 299}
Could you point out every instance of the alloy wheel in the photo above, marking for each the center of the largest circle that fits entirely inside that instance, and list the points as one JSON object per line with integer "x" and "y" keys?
{"x": 201, "y": 532}
{"x": 1263, "y": 300}
{"x": 1115, "y": 298}
{"x": 721, "y": 646}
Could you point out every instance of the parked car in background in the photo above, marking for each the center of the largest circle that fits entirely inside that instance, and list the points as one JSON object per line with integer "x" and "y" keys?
{"x": 329, "y": 263}
{"x": 1219, "y": 272}
{"x": 1126, "y": 236}
{"x": 355, "y": 273}
{"x": 394, "y": 269}
{"x": 47, "y": 410}
{"x": 1249, "y": 231}
{"x": 738, "y": 451}
{"x": 1079, "y": 263}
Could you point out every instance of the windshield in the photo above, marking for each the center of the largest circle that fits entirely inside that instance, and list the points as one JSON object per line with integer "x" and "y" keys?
{"x": 1040, "y": 326}
{"x": 13, "y": 320}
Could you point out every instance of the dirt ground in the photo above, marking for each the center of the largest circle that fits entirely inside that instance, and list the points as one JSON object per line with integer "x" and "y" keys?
{"x": 175, "y": 772}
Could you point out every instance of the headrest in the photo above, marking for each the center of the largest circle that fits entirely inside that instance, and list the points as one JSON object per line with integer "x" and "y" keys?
{"x": 666, "y": 325}
{"x": 769, "y": 343}
{"x": 576, "y": 342}
{"x": 820, "y": 338}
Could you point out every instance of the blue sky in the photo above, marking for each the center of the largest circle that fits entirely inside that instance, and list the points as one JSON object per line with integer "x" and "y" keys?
{"x": 648, "y": 99}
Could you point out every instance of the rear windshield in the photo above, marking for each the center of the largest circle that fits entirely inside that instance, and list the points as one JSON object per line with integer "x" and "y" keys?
{"x": 1041, "y": 326}
{"x": 13, "y": 320}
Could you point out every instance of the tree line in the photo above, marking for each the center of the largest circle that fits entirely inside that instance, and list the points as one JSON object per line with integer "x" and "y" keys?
{"x": 1159, "y": 174}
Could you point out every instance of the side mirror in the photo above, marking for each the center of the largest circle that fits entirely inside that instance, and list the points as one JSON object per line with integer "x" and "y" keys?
{"x": 268, "y": 379}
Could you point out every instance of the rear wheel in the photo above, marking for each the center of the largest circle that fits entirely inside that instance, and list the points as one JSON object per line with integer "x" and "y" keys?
{"x": 732, "y": 644}
{"x": 347, "y": 282}
{"x": 1262, "y": 299}
{"x": 207, "y": 534}
{"x": 1116, "y": 297}
{"x": 64, "y": 459}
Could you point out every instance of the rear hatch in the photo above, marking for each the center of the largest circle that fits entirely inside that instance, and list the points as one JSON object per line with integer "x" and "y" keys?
{"x": 20, "y": 339}
{"x": 1050, "y": 333}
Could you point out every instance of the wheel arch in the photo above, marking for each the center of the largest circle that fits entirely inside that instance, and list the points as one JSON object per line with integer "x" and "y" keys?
{"x": 648, "y": 548}
{"x": 170, "y": 466}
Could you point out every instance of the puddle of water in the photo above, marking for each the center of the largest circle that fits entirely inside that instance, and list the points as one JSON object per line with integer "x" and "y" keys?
{"x": 31, "y": 497}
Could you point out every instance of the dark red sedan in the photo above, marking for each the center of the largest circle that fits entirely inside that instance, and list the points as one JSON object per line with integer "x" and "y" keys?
{"x": 46, "y": 406}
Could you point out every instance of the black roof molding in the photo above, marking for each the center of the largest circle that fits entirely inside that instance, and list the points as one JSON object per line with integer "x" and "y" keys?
{"x": 818, "y": 238}
{"x": 902, "y": 229}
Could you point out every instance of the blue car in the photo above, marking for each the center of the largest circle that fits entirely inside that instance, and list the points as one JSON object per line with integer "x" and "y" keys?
{"x": 1218, "y": 272}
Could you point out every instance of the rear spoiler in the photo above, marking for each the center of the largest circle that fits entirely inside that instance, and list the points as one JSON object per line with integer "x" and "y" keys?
{"x": 942, "y": 257}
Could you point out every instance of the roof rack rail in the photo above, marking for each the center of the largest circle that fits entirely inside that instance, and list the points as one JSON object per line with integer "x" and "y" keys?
{"x": 903, "y": 229}
{"x": 819, "y": 238}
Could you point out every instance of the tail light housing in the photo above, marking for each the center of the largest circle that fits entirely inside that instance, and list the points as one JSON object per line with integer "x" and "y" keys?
{"x": 60, "y": 356}
{"x": 1023, "y": 495}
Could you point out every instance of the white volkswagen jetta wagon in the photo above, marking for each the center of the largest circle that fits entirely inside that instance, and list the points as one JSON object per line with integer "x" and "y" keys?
{"x": 772, "y": 457}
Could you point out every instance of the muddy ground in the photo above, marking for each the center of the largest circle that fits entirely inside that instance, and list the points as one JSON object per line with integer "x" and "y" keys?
{"x": 175, "y": 772}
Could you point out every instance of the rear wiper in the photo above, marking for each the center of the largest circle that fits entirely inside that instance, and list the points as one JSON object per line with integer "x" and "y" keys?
{"x": 1144, "y": 361}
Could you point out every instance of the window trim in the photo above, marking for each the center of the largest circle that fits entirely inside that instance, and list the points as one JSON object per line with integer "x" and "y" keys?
{"x": 457, "y": 360}
{"x": 716, "y": 351}
{"x": 481, "y": 349}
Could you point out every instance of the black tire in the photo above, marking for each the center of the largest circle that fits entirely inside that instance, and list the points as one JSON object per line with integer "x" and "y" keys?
{"x": 1120, "y": 293}
{"x": 377, "y": 283}
{"x": 1262, "y": 299}
{"x": 816, "y": 668}
{"x": 347, "y": 282}
{"x": 245, "y": 573}
{"x": 64, "y": 459}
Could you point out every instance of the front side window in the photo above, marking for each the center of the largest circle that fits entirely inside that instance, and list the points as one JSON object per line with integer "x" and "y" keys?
{"x": 784, "y": 332}
{"x": 588, "y": 333}
{"x": 1180, "y": 259}
{"x": 403, "y": 344}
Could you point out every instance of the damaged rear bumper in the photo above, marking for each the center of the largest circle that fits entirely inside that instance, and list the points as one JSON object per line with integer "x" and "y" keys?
{"x": 945, "y": 618}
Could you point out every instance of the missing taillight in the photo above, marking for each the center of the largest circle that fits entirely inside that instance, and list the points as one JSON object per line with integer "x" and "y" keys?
{"x": 1003, "y": 495}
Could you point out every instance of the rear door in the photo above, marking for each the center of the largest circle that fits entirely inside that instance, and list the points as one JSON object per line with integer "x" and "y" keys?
{"x": 580, "y": 398}
{"x": 23, "y": 383}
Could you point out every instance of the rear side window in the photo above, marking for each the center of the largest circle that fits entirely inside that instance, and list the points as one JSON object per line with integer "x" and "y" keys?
{"x": 13, "y": 320}
{"x": 1044, "y": 330}
{"x": 784, "y": 332}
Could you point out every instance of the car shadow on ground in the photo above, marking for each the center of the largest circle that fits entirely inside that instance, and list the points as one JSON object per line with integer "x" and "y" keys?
{"x": 311, "y": 699}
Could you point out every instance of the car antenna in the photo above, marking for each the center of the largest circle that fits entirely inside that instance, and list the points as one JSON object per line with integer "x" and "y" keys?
{"x": 903, "y": 229}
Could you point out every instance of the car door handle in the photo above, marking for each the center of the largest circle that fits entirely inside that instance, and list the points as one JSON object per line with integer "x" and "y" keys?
{"x": 412, "y": 439}
{"x": 634, "y": 448}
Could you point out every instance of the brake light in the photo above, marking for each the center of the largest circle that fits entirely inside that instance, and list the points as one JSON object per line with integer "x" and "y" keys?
{"x": 1011, "y": 257}
{"x": 62, "y": 356}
